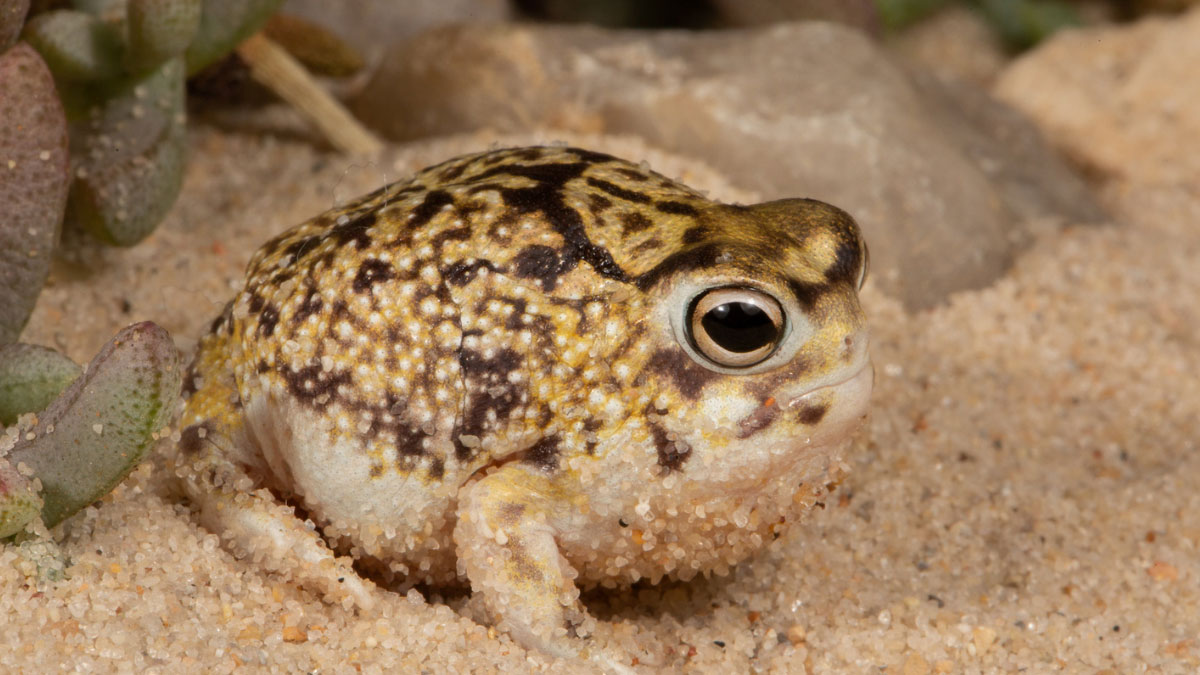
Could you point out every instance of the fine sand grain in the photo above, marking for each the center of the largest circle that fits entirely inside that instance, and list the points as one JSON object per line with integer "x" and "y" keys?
{"x": 1022, "y": 498}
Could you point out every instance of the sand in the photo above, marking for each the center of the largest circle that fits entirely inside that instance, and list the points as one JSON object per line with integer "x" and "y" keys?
{"x": 1021, "y": 498}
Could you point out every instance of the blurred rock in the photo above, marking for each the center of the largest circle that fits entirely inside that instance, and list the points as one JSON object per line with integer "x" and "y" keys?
{"x": 860, "y": 14}
{"x": 374, "y": 25}
{"x": 1031, "y": 178}
{"x": 815, "y": 110}
{"x": 316, "y": 48}
{"x": 955, "y": 42}
{"x": 1121, "y": 101}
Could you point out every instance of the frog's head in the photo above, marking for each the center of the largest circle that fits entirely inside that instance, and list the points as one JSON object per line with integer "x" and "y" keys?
{"x": 761, "y": 341}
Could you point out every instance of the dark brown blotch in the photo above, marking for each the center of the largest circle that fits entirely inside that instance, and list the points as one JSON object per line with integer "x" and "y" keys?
{"x": 370, "y": 272}
{"x": 689, "y": 377}
{"x": 340, "y": 311}
{"x": 193, "y": 437}
{"x": 598, "y": 204}
{"x": 671, "y": 454}
{"x": 297, "y": 248}
{"x": 452, "y": 172}
{"x": 311, "y": 382}
{"x": 530, "y": 154}
{"x": 354, "y": 230}
{"x": 618, "y": 191}
{"x": 676, "y": 208}
{"x": 311, "y": 305}
{"x": 456, "y": 234}
{"x": 488, "y": 391}
{"x": 495, "y": 369}
{"x": 651, "y": 244}
{"x": 461, "y": 273}
{"x": 223, "y": 319}
{"x": 189, "y": 381}
{"x": 695, "y": 257}
{"x": 434, "y": 202}
{"x": 633, "y": 174}
{"x": 267, "y": 320}
{"x": 808, "y": 294}
{"x": 695, "y": 234}
{"x": 544, "y": 454}
{"x": 499, "y": 400}
{"x": 590, "y": 426}
{"x": 760, "y": 419}
{"x": 591, "y": 156}
{"x": 540, "y": 262}
{"x": 633, "y": 222}
{"x": 255, "y": 303}
{"x": 812, "y": 414}
{"x": 846, "y": 264}
{"x": 437, "y": 468}
{"x": 410, "y": 442}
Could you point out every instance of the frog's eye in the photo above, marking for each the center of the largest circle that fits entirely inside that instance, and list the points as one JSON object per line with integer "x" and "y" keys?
{"x": 735, "y": 327}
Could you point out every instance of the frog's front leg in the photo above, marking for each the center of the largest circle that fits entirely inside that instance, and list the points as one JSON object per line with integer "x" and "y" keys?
{"x": 505, "y": 539}
{"x": 252, "y": 522}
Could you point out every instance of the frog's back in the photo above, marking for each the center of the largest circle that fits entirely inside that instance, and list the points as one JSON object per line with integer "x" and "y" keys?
{"x": 365, "y": 307}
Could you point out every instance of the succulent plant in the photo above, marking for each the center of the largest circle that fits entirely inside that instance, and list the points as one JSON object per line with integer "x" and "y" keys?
{"x": 30, "y": 378}
{"x": 92, "y": 122}
{"x": 120, "y": 66}
{"x": 94, "y": 433}
{"x": 33, "y": 180}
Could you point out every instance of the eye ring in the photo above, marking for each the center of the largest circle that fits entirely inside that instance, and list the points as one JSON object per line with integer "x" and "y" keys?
{"x": 735, "y": 327}
{"x": 865, "y": 268}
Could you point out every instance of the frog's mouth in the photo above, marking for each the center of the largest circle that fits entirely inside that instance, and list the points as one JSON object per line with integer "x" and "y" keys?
{"x": 855, "y": 388}
{"x": 825, "y": 412}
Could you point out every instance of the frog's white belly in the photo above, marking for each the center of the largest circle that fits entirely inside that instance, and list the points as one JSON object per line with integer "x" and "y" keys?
{"x": 392, "y": 516}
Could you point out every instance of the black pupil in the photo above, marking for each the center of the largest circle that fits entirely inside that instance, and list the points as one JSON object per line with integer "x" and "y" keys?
{"x": 739, "y": 327}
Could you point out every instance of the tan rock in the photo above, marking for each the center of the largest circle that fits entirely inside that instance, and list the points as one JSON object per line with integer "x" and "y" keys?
{"x": 1122, "y": 101}
{"x": 371, "y": 25}
{"x": 954, "y": 43}
{"x": 858, "y": 13}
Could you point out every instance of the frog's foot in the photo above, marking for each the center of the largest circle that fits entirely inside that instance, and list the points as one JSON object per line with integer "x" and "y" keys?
{"x": 255, "y": 526}
{"x": 505, "y": 542}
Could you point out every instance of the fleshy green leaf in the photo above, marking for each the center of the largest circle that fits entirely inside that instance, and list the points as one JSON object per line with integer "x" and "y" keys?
{"x": 30, "y": 378}
{"x": 129, "y": 155}
{"x": 77, "y": 46}
{"x": 33, "y": 182}
{"x": 98, "y": 430}
{"x": 12, "y": 17}
{"x": 159, "y": 30}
